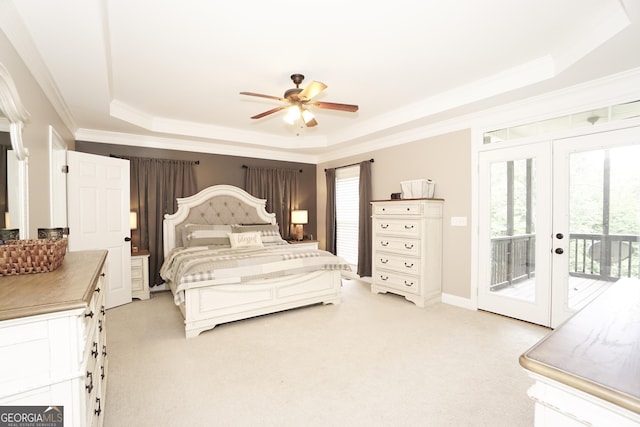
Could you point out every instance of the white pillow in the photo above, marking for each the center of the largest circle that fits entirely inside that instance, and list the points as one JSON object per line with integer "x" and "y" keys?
{"x": 268, "y": 233}
{"x": 246, "y": 240}
{"x": 206, "y": 235}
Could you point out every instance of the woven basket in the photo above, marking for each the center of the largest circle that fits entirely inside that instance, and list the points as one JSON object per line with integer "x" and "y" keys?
{"x": 31, "y": 256}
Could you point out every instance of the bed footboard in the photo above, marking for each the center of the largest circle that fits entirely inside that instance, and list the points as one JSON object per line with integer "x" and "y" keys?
{"x": 206, "y": 307}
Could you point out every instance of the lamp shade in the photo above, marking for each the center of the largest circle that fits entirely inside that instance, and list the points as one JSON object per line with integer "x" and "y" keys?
{"x": 299, "y": 217}
{"x": 133, "y": 220}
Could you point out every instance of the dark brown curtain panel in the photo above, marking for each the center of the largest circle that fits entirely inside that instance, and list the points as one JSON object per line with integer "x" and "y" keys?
{"x": 364, "y": 227}
{"x": 330, "y": 244}
{"x": 279, "y": 187}
{"x": 155, "y": 186}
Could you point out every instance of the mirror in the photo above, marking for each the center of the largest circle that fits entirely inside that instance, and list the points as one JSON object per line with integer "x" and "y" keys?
{"x": 58, "y": 179}
{"x": 15, "y": 115}
{"x": 5, "y": 154}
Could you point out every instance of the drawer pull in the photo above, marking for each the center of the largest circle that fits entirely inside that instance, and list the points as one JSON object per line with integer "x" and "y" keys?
{"x": 89, "y": 387}
{"x": 102, "y": 310}
{"x": 99, "y": 410}
{"x": 408, "y": 227}
{"x": 384, "y": 226}
{"x": 100, "y": 325}
{"x": 408, "y": 245}
{"x": 101, "y": 372}
{"x": 384, "y": 261}
{"x": 97, "y": 290}
{"x": 104, "y": 350}
{"x": 385, "y": 278}
{"x": 408, "y": 283}
{"x": 408, "y": 265}
{"x": 384, "y": 243}
{"x": 89, "y": 314}
{"x": 94, "y": 351}
{"x": 103, "y": 274}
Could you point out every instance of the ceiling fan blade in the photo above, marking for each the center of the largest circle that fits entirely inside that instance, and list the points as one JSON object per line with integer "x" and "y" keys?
{"x": 335, "y": 106}
{"x": 311, "y": 123}
{"x": 273, "y": 110}
{"x": 262, "y": 96}
{"x": 312, "y": 90}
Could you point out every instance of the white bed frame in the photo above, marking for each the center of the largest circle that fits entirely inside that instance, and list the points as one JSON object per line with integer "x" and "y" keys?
{"x": 212, "y": 302}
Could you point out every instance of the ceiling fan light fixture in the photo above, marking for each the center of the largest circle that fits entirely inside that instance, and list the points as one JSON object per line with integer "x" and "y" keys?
{"x": 297, "y": 99}
{"x": 307, "y": 116}
{"x": 293, "y": 114}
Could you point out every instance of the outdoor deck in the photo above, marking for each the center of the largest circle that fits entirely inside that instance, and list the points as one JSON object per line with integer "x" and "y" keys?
{"x": 581, "y": 290}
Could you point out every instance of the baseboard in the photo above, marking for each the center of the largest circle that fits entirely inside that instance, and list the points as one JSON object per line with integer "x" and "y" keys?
{"x": 458, "y": 301}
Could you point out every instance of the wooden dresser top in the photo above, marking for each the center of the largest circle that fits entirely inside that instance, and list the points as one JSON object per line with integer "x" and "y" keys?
{"x": 68, "y": 287}
{"x": 597, "y": 350}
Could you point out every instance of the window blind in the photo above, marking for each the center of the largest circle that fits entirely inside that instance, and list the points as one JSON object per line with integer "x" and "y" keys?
{"x": 347, "y": 198}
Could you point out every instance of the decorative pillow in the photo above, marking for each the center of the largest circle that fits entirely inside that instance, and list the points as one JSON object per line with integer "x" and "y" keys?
{"x": 246, "y": 240}
{"x": 206, "y": 235}
{"x": 269, "y": 233}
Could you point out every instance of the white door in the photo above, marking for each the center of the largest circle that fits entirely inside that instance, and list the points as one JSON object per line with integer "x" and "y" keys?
{"x": 515, "y": 225}
{"x": 98, "y": 194}
{"x": 596, "y": 217}
{"x": 559, "y": 222}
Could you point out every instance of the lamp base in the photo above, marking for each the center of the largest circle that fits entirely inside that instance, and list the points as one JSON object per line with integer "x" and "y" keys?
{"x": 299, "y": 235}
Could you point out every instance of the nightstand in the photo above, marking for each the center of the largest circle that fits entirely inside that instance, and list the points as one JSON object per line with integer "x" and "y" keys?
{"x": 140, "y": 274}
{"x": 308, "y": 244}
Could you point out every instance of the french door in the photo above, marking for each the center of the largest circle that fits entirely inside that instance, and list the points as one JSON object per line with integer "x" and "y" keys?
{"x": 515, "y": 218}
{"x": 559, "y": 223}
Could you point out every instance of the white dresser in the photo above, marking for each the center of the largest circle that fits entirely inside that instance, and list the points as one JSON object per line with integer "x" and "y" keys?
{"x": 587, "y": 371}
{"x": 307, "y": 244}
{"x": 140, "y": 274}
{"x": 53, "y": 339}
{"x": 407, "y": 249}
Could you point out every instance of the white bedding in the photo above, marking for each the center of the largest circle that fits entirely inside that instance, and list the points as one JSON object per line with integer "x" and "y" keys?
{"x": 191, "y": 267}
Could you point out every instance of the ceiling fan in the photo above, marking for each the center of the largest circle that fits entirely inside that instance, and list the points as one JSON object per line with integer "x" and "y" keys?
{"x": 297, "y": 100}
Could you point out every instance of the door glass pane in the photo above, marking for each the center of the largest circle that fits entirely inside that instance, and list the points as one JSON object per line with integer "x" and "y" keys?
{"x": 512, "y": 223}
{"x": 604, "y": 220}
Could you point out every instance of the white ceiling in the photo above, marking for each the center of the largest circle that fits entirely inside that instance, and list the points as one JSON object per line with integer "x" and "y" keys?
{"x": 147, "y": 72}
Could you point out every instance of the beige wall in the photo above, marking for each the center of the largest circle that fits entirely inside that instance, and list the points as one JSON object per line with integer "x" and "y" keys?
{"x": 35, "y": 134}
{"x": 447, "y": 160}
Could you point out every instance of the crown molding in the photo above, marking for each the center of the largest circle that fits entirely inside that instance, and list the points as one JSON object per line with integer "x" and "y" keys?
{"x": 609, "y": 90}
{"x": 182, "y": 144}
{"x": 12, "y": 25}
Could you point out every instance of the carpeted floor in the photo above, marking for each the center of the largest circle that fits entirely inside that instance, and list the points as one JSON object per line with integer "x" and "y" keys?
{"x": 374, "y": 360}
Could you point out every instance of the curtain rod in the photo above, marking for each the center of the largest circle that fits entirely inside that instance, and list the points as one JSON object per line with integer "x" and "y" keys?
{"x": 197, "y": 162}
{"x": 247, "y": 167}
{"x": 346, "y": 166}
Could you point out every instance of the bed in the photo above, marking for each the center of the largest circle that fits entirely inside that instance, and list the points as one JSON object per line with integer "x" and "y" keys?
{"x": 226, "y": 261}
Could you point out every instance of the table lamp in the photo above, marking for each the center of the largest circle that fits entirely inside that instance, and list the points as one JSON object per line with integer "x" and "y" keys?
{"x": 299, "y": 218}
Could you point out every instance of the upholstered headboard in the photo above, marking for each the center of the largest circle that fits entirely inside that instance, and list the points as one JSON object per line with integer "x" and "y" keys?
{"x": 219, "y": 204}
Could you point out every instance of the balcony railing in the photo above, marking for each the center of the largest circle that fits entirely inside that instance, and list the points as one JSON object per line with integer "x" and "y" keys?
{"x": 596, "y": 256}
{"x": 513, "y": 259}
{"x": 606, "y": 257}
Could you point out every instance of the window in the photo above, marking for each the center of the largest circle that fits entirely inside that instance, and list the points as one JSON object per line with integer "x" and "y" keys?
{"x": 347, "y": 210}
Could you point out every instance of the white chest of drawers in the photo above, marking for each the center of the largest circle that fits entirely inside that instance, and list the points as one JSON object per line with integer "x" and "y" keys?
{"x": 53, "y": 339}
{"x": 407, "y": 249}
{"x": 140, "y": 274}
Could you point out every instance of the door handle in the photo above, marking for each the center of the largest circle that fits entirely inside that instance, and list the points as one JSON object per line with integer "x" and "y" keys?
{"x": 559, "y": 251}
{"x": 127, "y": 239}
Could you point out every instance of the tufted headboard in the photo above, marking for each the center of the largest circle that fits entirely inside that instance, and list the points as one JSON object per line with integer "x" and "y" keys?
{"x": 219, "y": 204}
